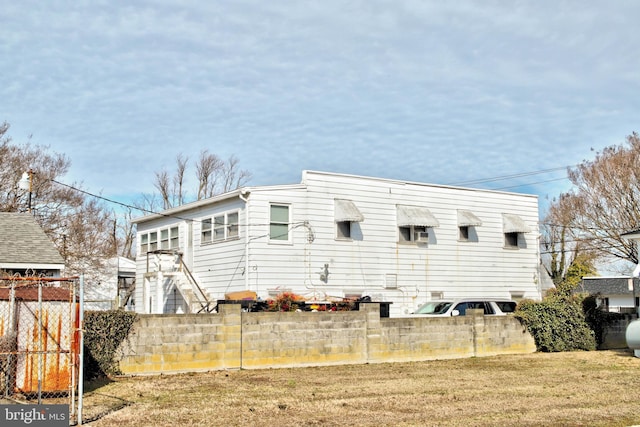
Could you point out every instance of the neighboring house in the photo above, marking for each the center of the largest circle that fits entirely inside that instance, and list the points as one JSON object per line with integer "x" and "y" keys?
{"x": 619, "y": 294}
{"x": 111, "y": 286}
{"x": 25, "y": 249}
{"x": 340, "y": 236}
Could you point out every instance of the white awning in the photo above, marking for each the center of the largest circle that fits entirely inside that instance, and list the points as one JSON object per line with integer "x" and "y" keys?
{"x": 346, "y": 210}
{"x": 468, "y": 219}
{"x": 416, "y": 216}
{"x": 514, "y": 224}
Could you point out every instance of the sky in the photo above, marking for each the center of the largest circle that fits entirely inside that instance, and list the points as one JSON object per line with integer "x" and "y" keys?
{"x": 417, "y": 90}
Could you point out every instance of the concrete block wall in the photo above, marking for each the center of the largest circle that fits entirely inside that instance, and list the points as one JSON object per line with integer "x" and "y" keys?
{"x": 303, "y": 339}
{"x": 232, "y": 339}
{"x": 169, "y": 343}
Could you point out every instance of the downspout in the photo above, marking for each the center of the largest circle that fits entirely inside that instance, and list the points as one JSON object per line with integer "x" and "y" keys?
{"x": 244, "y": 196}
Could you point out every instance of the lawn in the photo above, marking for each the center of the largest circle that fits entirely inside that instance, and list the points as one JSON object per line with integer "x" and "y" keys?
{"x": 564, "y": 389}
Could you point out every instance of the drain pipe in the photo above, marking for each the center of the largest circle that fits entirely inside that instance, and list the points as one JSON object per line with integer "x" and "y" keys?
{"x": 244, "y": 196}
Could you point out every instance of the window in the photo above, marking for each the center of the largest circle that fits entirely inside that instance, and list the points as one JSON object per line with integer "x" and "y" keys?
{"x": 206, "y": 231}
{"x": 464, "y": 233}
{"x": 511, "y": 240}
{"x": 279, "y": 223}
{"x": 413, "y": 233}
{"x": 467, "y": 222}
{"x": 164, "y": 238}
{"x": 144, "y": 243}
{"x": 513, "y": 226}
{"x": 220, "y": 228}
{"x": 343, "y": 230}
{"x": 174, "y": 238}
{"x": 232, "y": 225}
{"x": 153, "y": 241}
{"x": 169, "y": 239}
{"x": 345, "y": 213}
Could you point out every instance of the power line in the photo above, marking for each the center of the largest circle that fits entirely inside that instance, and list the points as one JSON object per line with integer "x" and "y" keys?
{"x": 517, "y": 175}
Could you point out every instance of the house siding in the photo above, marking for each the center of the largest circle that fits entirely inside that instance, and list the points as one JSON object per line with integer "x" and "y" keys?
{"x": 445, "y": 265}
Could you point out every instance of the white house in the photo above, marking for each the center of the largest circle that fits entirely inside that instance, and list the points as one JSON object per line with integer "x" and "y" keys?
{"x": 109, "y": 286}
{"x": 336, "y": 235}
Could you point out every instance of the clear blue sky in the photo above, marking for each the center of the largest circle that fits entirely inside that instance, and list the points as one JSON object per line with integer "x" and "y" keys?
{"x": 429, "y": 91}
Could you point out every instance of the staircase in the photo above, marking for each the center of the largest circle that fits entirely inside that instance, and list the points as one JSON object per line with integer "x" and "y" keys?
{"x": 173, "y": 268}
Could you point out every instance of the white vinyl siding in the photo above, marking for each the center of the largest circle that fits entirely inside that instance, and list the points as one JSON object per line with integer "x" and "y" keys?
{"x": 291, "y": 236}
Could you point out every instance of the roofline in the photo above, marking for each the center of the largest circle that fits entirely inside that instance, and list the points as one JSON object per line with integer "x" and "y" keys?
{"x": 237, "y": 193}
{"x": 31, "y": 266}
{"x": 192, "y": 205}
{"x": 423, "y": 184}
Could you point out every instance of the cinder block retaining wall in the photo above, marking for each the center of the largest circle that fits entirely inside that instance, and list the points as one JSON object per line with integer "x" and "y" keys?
{"x": 232, "y": 339}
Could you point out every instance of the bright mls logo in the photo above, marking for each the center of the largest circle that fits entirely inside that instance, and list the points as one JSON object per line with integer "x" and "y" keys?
{"x": 34, "y": 415}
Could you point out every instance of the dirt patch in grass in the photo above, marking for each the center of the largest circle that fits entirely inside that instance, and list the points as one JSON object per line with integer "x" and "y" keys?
{"x": 567, "y": 389}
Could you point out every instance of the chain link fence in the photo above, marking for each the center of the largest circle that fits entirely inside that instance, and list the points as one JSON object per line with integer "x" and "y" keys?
{"x": 40, "y": 342}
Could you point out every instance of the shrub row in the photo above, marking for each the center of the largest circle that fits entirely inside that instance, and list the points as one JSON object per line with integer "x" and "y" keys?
{"x": 557, "y": 323}
{"x": 104, "y": 331}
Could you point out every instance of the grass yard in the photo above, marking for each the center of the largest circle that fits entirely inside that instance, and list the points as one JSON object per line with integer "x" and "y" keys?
{"x": 564, "y": 389}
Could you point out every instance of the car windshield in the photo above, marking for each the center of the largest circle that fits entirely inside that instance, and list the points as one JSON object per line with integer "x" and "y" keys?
{"x": 434, "y": 307}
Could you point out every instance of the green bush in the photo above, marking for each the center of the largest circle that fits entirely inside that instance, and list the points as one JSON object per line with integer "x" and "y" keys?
{"x": 104, "y": 331}
{"x": 557, "y": 323}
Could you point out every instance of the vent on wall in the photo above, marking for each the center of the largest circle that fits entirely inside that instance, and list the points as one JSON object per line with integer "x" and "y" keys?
{"x": 391, "y": 281}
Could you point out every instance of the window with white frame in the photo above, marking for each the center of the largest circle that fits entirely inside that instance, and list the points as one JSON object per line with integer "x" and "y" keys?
{"x": 343, "y": 230}
{"x": 205, "y": 231}
{"x": 232, "y": 225}
{"x": 153, "y": 241}
{"x": 220, "y": 228}
{"x": 511, "y": 240}
{"x": 413, "y": 234}
{"x": 169, "y": 238}
{"x": 279, "y": 222}
{"x": 144, "y": 243}
{"x": 464, "y": 233}
{"x": 165, "y": 239}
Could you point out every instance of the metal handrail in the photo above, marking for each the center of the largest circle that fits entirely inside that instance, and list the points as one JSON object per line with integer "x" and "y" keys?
{"x": 193, "y": 282}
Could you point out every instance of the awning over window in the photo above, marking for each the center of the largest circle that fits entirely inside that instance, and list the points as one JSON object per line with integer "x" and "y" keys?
{"x": 514, "y": 224}
{"x": 468, "y": 219}
{"x": 346, "y": 210}
{"x": 416, "y": 216}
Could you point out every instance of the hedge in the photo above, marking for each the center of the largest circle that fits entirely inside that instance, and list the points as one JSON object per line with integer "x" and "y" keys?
{"x": 104, "y": 331}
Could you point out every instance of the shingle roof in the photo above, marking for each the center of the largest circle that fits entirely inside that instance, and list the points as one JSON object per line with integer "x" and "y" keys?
{"x": 22, "y": 241}
{"x": 608, "y": 285}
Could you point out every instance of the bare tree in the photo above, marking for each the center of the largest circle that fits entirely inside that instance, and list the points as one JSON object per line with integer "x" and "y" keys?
{"x": 178, "y": 179}
{"x": 233, "y": 178}
{"x": 79, "y": 225}
{"x": 562, "y": 249}
{"x": 162, "y": 185}
{"x": 214, "y": 176}
{"x": 207, "y": 171}
{"x": 605, "y": 201}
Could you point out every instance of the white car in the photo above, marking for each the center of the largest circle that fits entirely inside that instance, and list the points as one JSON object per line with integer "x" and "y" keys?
{"x": 493, "y": 307}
